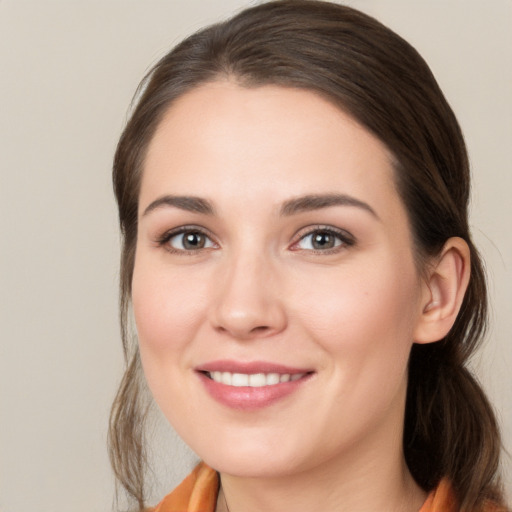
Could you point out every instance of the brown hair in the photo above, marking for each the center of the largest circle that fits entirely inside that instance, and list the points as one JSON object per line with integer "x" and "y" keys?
{"x": 373, "y": 74}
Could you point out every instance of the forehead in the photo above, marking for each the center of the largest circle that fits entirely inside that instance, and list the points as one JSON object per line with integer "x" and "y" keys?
{"x": 262, "y": 143}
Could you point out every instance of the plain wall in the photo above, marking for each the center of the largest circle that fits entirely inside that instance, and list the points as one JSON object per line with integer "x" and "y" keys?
{"x": 68, "y": 70}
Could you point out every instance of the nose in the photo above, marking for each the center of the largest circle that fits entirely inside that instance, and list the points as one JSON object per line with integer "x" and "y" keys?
{"x": 248, "y": 301}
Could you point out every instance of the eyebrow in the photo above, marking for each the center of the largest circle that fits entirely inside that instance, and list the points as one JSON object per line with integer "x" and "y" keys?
{"x": 319, "y": 201}
{"x": 289, "y": 207}
{"x": 187, "y": 203}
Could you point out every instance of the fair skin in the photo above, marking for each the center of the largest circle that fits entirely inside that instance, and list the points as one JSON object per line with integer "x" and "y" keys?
{"x": 233, "y": 273}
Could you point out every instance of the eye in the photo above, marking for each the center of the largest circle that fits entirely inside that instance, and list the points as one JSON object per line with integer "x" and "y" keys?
{"x": 186, "y": 240}
{"x": 324, "y": 240}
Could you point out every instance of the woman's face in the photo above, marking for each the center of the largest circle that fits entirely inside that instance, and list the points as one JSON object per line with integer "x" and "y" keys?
{"x": 275, "y": 292}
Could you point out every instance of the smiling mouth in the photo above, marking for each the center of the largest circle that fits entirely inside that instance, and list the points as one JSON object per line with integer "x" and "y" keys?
{"x": 249, "y": 386}
{"x": 253, "y": 380}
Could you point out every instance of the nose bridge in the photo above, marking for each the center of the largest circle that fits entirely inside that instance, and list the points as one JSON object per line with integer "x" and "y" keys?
{"x": 248, "y": 302}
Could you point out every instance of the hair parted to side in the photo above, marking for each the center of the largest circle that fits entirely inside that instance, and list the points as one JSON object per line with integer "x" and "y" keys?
{"x": 374, "y": 75}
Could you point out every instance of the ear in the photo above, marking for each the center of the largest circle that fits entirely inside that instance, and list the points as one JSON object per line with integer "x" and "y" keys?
{"x": 443, "y": 291}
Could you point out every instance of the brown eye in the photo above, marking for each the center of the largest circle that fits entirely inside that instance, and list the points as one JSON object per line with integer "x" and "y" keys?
{"x": 190, "y": 241}
{"x": 324, "y": 240}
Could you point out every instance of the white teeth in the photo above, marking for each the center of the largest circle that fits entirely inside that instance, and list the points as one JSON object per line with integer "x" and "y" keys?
{"x": 272, "y": 378}
{"x": 239, "y": 379}
{"x": 254, "y": 380}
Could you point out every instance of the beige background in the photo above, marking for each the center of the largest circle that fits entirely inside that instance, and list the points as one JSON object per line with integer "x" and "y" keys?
{"x": 67, "y": 73}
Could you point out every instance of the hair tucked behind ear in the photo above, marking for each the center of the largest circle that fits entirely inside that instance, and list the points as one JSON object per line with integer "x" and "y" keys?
{"x": 378, "y": 78}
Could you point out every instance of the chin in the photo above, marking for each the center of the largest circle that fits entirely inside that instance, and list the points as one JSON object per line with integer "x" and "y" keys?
{"x": 257, "y": 460}
{"x": 256, "y": 467}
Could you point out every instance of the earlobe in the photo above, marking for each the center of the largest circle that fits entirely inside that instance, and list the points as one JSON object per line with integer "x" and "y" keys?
{"x": 444, "y": 290}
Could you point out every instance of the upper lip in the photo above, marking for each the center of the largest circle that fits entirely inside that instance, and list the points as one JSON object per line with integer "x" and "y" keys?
{"x": 249, "y": 367}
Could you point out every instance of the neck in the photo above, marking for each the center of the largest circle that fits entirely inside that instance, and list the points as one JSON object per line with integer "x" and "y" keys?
{"x": 373, "y": 476}
{"x": 323, "y": 490}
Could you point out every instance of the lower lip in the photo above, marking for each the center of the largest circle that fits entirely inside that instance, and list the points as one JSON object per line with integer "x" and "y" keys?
{"x": 249, "y": 398}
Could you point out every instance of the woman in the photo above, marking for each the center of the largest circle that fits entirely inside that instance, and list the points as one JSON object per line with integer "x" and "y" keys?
{"x": 292, "y": 190}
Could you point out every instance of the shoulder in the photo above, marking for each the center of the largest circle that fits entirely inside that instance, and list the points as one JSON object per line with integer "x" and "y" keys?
{"x": 197, "y": 493}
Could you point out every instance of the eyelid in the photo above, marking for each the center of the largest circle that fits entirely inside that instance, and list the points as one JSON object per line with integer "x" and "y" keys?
{"x": 163, "y": 239}
{"x": 346, "y": 238}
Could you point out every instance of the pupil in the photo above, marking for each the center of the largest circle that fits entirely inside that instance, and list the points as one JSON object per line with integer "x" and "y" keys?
{"x": 193, "y": 241}
{"x": 323, "y": 241}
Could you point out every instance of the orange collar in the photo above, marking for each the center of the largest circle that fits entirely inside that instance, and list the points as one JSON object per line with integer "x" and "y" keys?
{"x": 440, "y": 499}
{"x": 198, "y": 493}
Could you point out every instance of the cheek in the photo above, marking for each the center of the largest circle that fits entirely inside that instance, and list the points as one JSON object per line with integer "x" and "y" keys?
{"x": 167, "y": 307}
{"x": 168, "y": 311}
{"x": 365, "y": 314}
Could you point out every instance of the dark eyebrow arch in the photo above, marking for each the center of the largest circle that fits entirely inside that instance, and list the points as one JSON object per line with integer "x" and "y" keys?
{"x": 317, "y": 202}
{"x": 187, "y": 203}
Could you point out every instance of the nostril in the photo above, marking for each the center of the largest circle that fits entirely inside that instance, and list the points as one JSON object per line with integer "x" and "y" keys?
{"x": 261, "y": 328}
{"x": 240, "y": 332}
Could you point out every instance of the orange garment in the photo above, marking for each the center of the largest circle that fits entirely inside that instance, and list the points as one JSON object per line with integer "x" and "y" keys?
{"x": 198, "y": 493}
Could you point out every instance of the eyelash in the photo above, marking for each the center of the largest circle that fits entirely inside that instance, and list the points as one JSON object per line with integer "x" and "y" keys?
{"x": 163, "y": 241}
{"x": 344, "y": 238}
